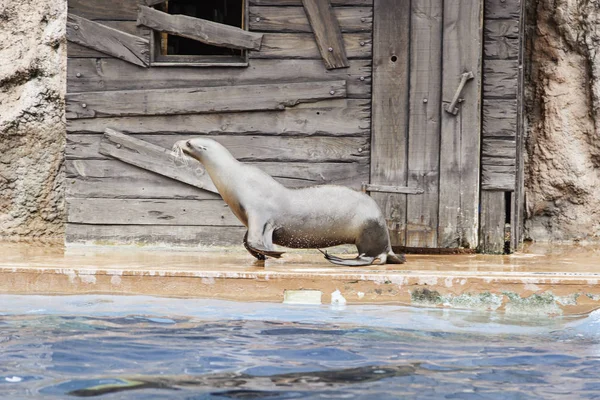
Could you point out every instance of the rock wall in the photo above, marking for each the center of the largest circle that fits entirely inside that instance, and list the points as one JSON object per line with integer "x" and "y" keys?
{"x": 32, "y": 122}
{"x": 563, "y": 107}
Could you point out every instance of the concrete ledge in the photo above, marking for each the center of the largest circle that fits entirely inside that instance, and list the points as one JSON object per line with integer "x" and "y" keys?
{"x": 527, "y": 283}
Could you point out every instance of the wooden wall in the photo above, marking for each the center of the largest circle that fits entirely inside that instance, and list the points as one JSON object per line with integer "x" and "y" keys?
{"x": 310, "y": 143}
{"x": 501, "y": 131}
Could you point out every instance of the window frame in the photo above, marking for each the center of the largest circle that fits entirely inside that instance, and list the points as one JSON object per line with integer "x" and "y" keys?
{"x": 175, "y": 60}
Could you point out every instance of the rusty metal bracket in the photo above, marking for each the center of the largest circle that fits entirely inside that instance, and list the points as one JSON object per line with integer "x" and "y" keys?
{"x": 368, "y": 187}
{"x": 451, "y": 108}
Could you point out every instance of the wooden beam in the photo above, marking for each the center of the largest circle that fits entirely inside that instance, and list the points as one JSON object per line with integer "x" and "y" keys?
{"x": 369, "y": 187}
{"x": 154, "y": 158}
{"x": 303, "y": 46}
{"x": 125, "y": 46}
{"x": 192, "y": 236}
{"x": 293, "y": 19}
{"x": 328, "y": 34}
{"x": 200, "y": 99}
{"x": 105, "y": 9}
{"x": 150, "y": 212}
{"x": 114, "y": 179}
{"x": 391, "y": 43}
{"x": 246, "y": 149}
{"x": 91, "y": 75}
{"x": 202, "y": 30}
{"x": 325, "y": 118}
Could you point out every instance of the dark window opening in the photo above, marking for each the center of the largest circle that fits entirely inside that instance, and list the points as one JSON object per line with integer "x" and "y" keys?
{"x": 171, "y": 48}
{"x": 507, "y": 222}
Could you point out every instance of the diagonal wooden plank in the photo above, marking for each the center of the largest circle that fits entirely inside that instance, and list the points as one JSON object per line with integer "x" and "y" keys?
{"x": 125, "y": 46}
{"x": 328, "y": 34}
{"x": 154, "y": 158}
{"x": 202, "y": 30}
{"x": 200, "y": 99}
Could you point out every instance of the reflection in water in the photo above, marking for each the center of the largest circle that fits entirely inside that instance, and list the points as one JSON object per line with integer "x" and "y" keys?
{"x": 126, "y": 355}
{"x": 292, "y": 381}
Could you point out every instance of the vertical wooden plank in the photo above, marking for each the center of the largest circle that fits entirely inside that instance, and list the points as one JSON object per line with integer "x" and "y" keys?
{"x": 391, "y": 35}
{"x": 328, "y": 34}
{"x": 493, "y": 218}
{"x": 519, "y": 194}
{"x": 460, "y": 135}
{"x": 424, "y": 122}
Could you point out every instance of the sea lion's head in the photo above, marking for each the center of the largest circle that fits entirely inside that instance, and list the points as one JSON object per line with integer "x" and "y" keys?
{"x": 201, "y": 149}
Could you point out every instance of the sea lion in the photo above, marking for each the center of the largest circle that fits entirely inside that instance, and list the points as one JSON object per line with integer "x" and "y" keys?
{"x": 312, "y": 217}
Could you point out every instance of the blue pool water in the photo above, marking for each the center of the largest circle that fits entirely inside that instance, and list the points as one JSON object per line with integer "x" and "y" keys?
{"x": 111, "y": 347}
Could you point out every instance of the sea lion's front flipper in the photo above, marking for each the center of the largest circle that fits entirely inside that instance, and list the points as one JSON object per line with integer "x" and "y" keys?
{"x": 359, "y": 261}
{"x": 257, "y": 255}
{"x": 259, "y": 240}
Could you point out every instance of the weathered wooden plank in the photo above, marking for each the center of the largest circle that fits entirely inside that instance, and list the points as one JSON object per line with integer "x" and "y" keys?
{"x": 391, "y": 37}
{"x": 330, "y": 118}
{"x": 202, "y": 30}
{"x": 500, "y": 78}
{"x": 105, "y": 9}
{"x": 499, "y": 117}
{"x": 459, "y": 156}
{"x": 185, "y": 236}
{"x": 151, "y": 3}
{"x": 493, "y": 218}
{"x": 125, "y": 46}
{"x": 496, "y": 28}
{"x": 490, "y": 160}
{"x": 498, "y": 177}
{"x": 327, "y": 118}
{"x": 496, "y": 9}
{"x": 279, "y": 45}
{"x": 303, "y": 46}
{"x": 247, "y": 148}
{"x": 501, "y": 39}
{"x": 293, "y": 19}
{"x": 200, "y": 99}
{"x": 115, "y": 179}
{"x": 500, "y": 148}
{"x": 518, "y": 197}
{"x": 150, "y": 212}
{"x": 89, "y": 75}
{"x": 299, "y": 2}
{"x": 75, "y": 50}
{"x": 501, "y": 48}
{"x": 328, "y": 34}
{"x": 424, "y": 122}
{"x": 154, "y": 158}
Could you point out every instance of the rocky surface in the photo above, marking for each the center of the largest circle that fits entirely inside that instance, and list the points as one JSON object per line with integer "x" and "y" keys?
{"x": 32, "y": 123}
{"x": 563, "y": 107}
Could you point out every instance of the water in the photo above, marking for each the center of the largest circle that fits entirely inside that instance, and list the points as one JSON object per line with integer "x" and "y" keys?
{"x": 135, "y": 347}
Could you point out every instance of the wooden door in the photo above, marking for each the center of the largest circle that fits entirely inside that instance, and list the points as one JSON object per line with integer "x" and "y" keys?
{"x": 425, "y": 153}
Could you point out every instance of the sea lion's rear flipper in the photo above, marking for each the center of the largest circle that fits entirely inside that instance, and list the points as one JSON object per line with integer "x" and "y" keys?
{"x": 359, "y": 261}
{"x": 393, "y": 258}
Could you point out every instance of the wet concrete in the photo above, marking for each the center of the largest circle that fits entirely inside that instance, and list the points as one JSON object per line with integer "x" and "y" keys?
{"x": 540, "y": 280}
